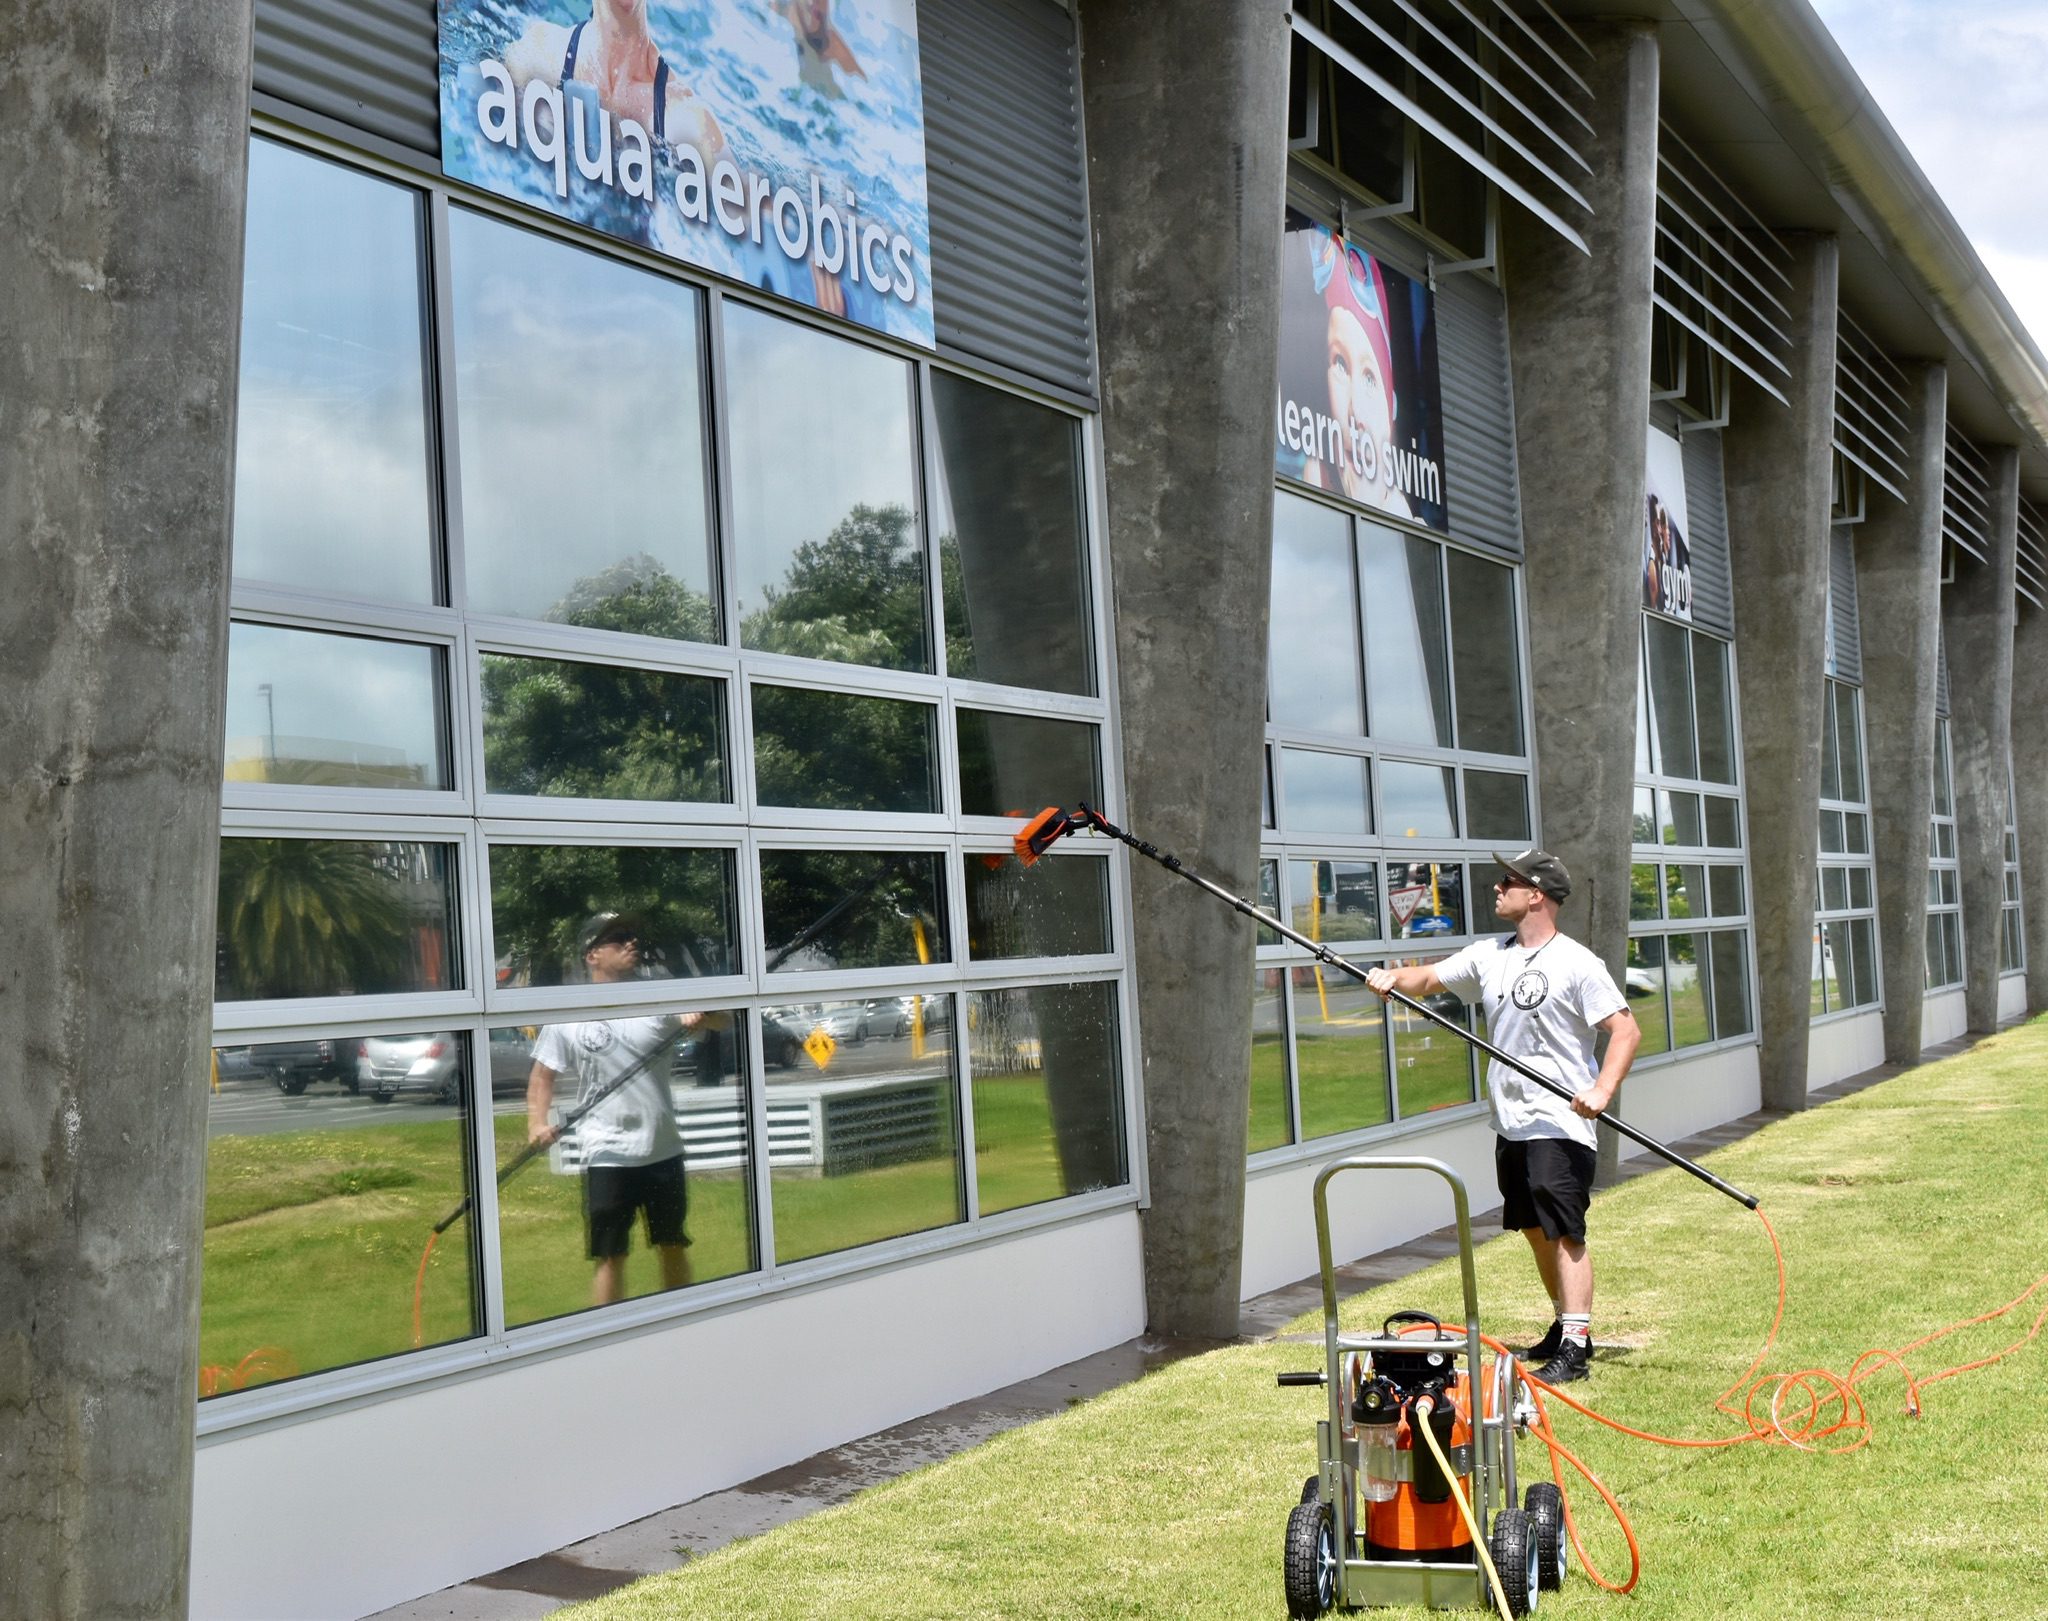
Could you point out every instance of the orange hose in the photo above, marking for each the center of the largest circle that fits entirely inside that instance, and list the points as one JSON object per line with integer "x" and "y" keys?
{"x": 1803, "y": 1408}
{"x": 419, "y": 1284}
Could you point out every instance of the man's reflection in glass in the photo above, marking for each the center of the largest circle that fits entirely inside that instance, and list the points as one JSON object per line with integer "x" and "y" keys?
{"x": 629, "y": 1146}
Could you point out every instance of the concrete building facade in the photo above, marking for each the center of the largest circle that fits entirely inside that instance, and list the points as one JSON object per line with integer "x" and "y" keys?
{"x": 1341, "y": 445}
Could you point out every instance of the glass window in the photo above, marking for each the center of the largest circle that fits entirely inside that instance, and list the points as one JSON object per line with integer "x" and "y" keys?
{"x": 842, "y": 751}
{"x": 1645, "y": 983}
{"x": 1417, "y": 801}
{"x": 1432, "y": 1067}
{"x": 1016, "y": 765}
{"x": 1685, "y": 892}
{"x": 1325, "y": 793}
{"x": 1725, "y": 887}
{"x": 1849, "y": 739}
{"x": 824, "y": 495}
{"x": 867, "y": 1144}
{"x": 1048, "y": 1098}
{"x": 334, "y": 917}
{"x": 647, "y": 1188}
{"x": 319, "y": 1203}
{"x": 1834, "y": 889}
{"x": 1714, "y": 705}
{"x": 1728, "y": 965}
{"x": 1334, "y": 900}
{"x": 1425, "y": 899}
{"x": 1407, "y": 679}
{"x": 1486, "y": 875}
{"x": 1863, "y": 978}
{"x": 1497, "y": 806}
{"x": 1314, "y": 630}
{"x": 823, "y": 909}
{"x": 575, "y": 914}
{"x": 331, "y": 489}
{"x": 1339, "y": 1053}
{"x": 1671, "y": 697}
{"x": 583, "y": 502}
{"x": 1723, "y": 823}
{"x": 1007, "y": 509}
{"x": 1686, "y": 970}
{"x": 1645, "y": 897}
{"x": 567, "y": 729}
{"x": 1269, "y": 1126}
{"x": 1058, "y": 908}
{"x": 1486, "y": 657}
{"x": 327, "y": 711}
{"x": 1269, "y": 899}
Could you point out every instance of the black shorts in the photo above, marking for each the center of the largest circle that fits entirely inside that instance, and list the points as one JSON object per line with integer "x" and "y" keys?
{"x": 1545, "y": 1182}
{"x": 614, "y": 1194}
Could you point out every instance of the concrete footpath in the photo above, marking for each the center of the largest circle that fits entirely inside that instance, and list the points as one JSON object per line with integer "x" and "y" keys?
{"x": 675, "y": 1536}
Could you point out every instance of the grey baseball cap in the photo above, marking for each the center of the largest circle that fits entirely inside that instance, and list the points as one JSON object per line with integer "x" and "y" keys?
{"x": 1540, "y": 868}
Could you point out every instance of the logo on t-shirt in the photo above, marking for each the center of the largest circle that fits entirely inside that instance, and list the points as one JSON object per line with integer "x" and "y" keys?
{"x": 1530, "y": 987}
{"x": 595, "y": 1038}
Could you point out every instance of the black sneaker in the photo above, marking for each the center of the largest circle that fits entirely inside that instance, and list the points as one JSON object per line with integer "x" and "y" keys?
{"x": 1573, "y": 1361}
{"x": 1547, "y": 1347}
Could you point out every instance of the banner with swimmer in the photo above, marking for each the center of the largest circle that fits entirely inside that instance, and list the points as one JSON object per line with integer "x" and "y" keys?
{"x": 776, "y": 142}
{"x": 1361, "y": 411}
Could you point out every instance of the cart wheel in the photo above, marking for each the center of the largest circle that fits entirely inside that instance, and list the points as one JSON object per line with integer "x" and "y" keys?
{"x": 1310, "y": 1566}
{"x": 1312, "y": 1489}
{"x": 1514, "y": 1557}
{"x": 1545, "y": 1505}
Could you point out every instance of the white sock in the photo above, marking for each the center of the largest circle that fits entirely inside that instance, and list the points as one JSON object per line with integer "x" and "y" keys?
{"x": 1578, "y": 1327}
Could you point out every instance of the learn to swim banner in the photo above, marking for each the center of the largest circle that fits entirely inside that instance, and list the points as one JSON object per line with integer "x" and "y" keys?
{"x": 776, "y": 142}
{"x": 1361, "y": 410}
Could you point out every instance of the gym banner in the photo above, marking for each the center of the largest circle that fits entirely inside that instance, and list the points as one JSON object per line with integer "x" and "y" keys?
{"x": 1667, "y": 558}
{"x": 776, "y": 142}
{"x": 1361, "y": 412}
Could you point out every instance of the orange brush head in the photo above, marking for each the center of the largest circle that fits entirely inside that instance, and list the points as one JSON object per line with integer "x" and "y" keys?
{"x": 1040, "y": 833}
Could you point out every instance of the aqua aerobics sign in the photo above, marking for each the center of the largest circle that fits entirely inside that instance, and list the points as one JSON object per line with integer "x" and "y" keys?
{"x": 777, "y": 142}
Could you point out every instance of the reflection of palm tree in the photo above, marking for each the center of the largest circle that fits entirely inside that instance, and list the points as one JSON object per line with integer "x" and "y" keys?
{"x": 308, "y": 917}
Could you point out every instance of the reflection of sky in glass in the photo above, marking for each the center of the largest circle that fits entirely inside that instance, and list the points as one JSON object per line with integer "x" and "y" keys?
{"x": 817, "y": 426}
{"x": 1314, "y": 634}
{"x": 1325, "y": 793}
{"x": 1416, "y": 800}
{"x": 338, "y": 710}
{"x": 331, "y": 445}
{"x": 582, "y": 433}
{"x": 1404, "y": 642}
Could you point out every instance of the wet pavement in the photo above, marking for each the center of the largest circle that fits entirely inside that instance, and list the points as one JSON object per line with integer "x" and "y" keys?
{"x": 673, "y": 1537}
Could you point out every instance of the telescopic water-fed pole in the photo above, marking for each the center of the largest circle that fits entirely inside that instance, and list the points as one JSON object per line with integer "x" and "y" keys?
{"x": 1053, "y": 824}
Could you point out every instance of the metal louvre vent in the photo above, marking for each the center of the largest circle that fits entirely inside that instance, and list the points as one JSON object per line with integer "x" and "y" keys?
{"x": 2030, "y": 580}
{"x": 1004, "y": 170}
{"x": 1843, "y": 620}
{"x": 1720, "y": 272}
{"x": 1481, "y": 484}
{"x": 1706, "y": 513}
{"x": 1871, "y": 409}
{"x": 373, "y": 65}
{"x": 1495, "y": 87}
{"x": 1966, "y": 497}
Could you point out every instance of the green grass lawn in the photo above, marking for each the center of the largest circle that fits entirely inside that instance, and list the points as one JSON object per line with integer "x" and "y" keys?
{"x": 1903, "y": 1208}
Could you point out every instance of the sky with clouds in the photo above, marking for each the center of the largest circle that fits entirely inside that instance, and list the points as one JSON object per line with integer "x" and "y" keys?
{"x": 1965, "y": 83}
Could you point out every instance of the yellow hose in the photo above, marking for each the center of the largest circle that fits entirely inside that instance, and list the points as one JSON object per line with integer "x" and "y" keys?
{"x": 1420, "y": 1426}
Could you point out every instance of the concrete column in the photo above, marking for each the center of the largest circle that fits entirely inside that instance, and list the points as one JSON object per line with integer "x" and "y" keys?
{"x": 1186, "y": 115}
{"x": 123, "y": 130}
{"x": 1579, "y": 346}
{"x": 1776, "y": 460}
{"x": 1977, "y": 612}
{"x": 2030, "y": 774}
{"x": 1898, "y": 589}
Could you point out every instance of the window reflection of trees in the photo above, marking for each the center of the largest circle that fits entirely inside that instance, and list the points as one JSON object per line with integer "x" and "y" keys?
{"x": 852, "y": 909}
{"x": 330, "y": 917}
{"x": 595, "y": 731}
{"x": 856, "y": 597}
{"x": 544, "y": 895}
{"x": 839, "y": 751}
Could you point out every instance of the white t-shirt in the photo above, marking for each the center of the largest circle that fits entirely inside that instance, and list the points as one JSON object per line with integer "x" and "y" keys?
{"x": 636, "y": 1125}
{"x": 1541, "y": 1006}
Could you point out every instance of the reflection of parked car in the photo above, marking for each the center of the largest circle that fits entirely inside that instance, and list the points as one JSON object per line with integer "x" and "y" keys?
{"x": 1640, "y": 982}
{"x": 893, "y": 1015}
{"x": 782, "y": 1035}
{"x": 295, "y": 1065}
{"x": 429, "y": 1065}
{"x": 845, "y": 1022}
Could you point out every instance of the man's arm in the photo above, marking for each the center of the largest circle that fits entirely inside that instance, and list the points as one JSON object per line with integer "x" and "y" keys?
{"x": 1419, "y": 979}
{"x": 540, "y": 1097}
{"x": 1624, "y": 1036}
